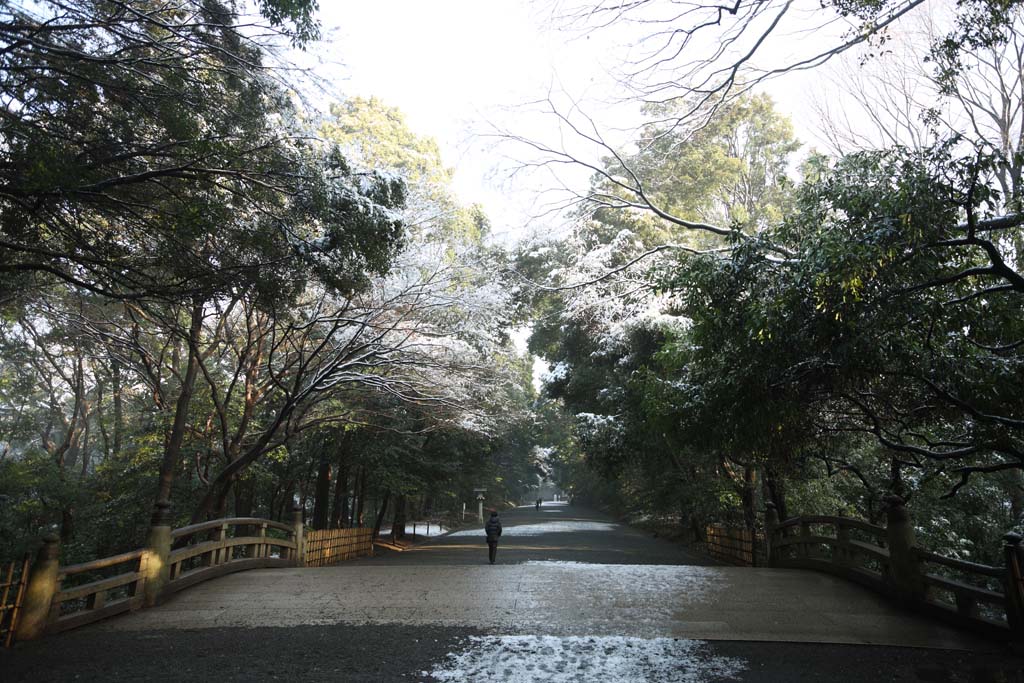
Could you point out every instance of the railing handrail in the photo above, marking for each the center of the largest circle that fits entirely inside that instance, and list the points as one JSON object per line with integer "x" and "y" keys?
{"x": 847, "y": 522}
{"x": 961, "y": 565}
{"x": 230, "y": 521}
{"x": 88, "y": 589}
{"x": 189, "y": 551}
{"x": 101, "y": 563}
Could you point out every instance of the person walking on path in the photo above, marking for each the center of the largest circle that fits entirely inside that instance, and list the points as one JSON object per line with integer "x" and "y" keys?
{"x": 493, "y": 531}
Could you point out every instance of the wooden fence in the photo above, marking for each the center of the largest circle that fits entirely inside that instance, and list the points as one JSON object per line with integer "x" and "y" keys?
{"x": 330, "y": 546}
{"x": 988, "y": 600}
{"x": 12, "y": 588}
{"x": 735, "y": 546}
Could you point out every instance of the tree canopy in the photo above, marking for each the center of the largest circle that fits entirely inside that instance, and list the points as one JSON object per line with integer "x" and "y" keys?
{"x": 731, "y": 327}
{"x": 216, "y": 297}
{"x": 219, "y": 300}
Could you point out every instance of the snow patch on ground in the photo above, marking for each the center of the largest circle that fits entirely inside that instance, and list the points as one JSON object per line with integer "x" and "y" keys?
{"x": 420, "y": 529}
{"x": 522, "y": 659}
{"x": 543, "y": 528}
{"x": 546, "y": 504}
{"x": 648, "y": 584}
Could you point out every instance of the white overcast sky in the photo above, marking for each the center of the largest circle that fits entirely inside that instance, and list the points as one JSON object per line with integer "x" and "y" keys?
{"x": 455, "y": 68}
{"x": 458, "y": 66}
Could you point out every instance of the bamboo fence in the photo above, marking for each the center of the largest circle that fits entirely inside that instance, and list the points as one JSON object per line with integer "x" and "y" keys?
{"x": 13, "y": 579}
{"x": 330, "y": 546}
{"x": 735, "y": 546}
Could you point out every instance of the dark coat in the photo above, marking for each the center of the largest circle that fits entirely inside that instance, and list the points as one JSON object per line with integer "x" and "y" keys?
{"x": 493, "y": 529}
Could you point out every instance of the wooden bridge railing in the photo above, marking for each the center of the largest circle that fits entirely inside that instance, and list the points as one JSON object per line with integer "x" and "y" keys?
{"x": 61, "y": 598}
{"x": 986, "y": 599}
{"x": 222, "y": 546}
{"x": 94, "y": 590}
{"x": 58, "y": 598}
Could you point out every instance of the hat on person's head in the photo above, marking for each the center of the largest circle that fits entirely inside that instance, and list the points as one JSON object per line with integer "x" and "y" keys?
{"x": 494, "y": 513}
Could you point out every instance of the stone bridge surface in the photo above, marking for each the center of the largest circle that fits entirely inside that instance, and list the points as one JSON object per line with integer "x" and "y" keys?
{"x": 573, "y": 597}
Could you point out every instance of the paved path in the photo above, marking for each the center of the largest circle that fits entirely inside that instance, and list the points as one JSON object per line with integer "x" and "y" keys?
{"x": 557, "y": 532}
{"x": 574, "y": 597}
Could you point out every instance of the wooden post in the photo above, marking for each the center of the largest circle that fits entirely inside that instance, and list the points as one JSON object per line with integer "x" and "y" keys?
{"x": 42, "y": 586}
{"x": 904, "y": 568}
{"x": 155, "y": 564}
{"x": 1014, "y": 587}
{"x": 222, "y": 555}
{"x": 252, "y": 550}
{"x": 771, "y": 524}
{"x": 297, "y": 536}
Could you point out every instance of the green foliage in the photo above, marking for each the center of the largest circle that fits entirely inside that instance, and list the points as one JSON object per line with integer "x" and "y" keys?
{"x": 881, "y": 353}
{"x": 377, "y": 136}
{"x": 164, "y": 164}
{"x": 186, "y": 262}
{"x": 297, "y": 16}
{"x": 730, "y": 171}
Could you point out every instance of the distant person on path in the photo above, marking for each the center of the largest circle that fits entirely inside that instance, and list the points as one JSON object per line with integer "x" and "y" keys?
{"x": 539, "y": 501}
{"x": 493, "y": 531}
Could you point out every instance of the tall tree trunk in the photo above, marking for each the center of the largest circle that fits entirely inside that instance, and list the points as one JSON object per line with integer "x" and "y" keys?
{"x": 172, "y": 452}
{"x": 85, "y": 446}
{"x": 67, "y": 524}
{"x": 776, "y": 492}
{"x": 287, "y": 496}
{"x": 380, "y": 515}
{"x": 873, "y": 509}
{"x": 697, "y": 530}
{"x": 339, "y": 511}
{"x": 747, "y": 497}
{"x": 220, "y": 508}
{"x": 896, "y": 478}
{"x": 398, "y": 524}
{"x": 245, "y": 494}
{"x": 322, "y": 494}
{"x": 115, "y": 373}
{"x": 79, "y": 421}
{"x": 1015, "y": 493}
{"x": 360, "y": 519}
{"x": 101, "y": 419}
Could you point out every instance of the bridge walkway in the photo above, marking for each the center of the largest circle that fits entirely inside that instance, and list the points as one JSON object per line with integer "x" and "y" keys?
{"x": 573, "y": 593}
{"x": 561, "y": 571}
